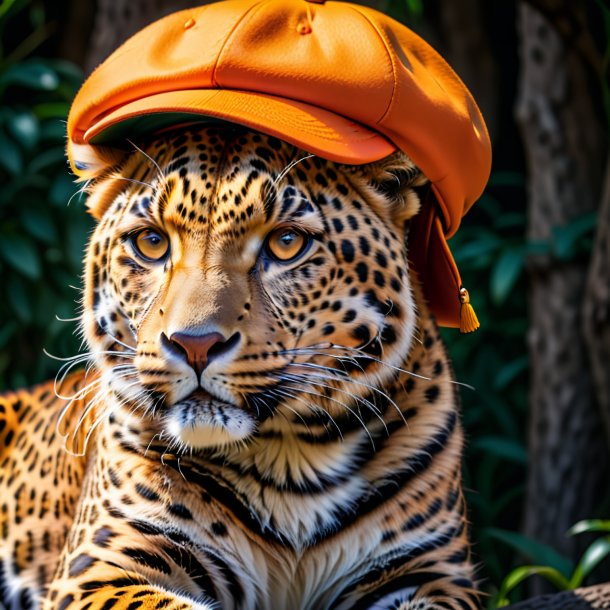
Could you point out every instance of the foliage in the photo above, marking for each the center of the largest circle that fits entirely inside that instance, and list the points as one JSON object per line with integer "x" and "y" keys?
{"x": 41, "y": 237}
{"x": 492, "y": 253}
{"x": 559, "y": 571}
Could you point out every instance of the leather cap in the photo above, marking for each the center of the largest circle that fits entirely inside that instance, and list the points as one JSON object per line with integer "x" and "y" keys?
{"x": 340, "y": 80}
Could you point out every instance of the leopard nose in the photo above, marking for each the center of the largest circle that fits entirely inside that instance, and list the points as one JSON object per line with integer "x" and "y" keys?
{"x": 200, "y": 350}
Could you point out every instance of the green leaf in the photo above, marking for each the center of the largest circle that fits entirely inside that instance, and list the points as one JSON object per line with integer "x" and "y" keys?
{"x": 591, "y": 558}
{"x": 478, "y": 246}
{"x": 24, "y": 128}
{"x": 20, "y": 301}
{"x": 56, "y": 111}
{"x": 6, "y": 6}
{"x": 10, "y": 156}
{"x": 537, "y": 247}
{"x": 33, "y": 74}
{"x": 565, "y": 237}
{"x": 19, "y": 252}
{"x": 518, "y": 575}
{"x": 534, "y": 550}
{"x": 509, "y": 220}
{"x": 39, "y": 223}
{"x": 505, "y": 274}
{"x": 68, "y": 71}
{"x": 510, "y": 371}
{"x": 62, "y": 189}
{"x": 415, "y": 7}
{"x": 502, "y": 447}
{"x": 7, "y": 331}
{"x": 506, "y": 178}
{"x": 48, "y": 158}
{"x": 590, "y": 525}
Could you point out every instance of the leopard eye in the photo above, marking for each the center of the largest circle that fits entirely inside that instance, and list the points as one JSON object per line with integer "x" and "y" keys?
{"x": 286, "y": 244}
{"x": 150, "y": 245}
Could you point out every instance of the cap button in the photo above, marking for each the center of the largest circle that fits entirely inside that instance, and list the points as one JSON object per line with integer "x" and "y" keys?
{"x": 304, "y": 27}
{"x": 188, "y": 24}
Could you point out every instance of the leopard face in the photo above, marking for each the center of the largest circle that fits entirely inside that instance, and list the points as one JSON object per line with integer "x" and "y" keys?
{"x": 233, "y": 282}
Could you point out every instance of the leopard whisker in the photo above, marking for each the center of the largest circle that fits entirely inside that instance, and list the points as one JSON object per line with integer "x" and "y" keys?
{"x": 330, "y": 398}
{"x": 289, "y": 167}
{"x": 311, "y": 408}
{"x": 358, "y": 399}
{"x": 343, "y": 376}
{"x": 273, "y": 391}
{"x": 160, "y": 173}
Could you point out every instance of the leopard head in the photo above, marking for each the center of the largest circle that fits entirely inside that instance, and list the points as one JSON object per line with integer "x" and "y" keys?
{"x": 235, "y": 283}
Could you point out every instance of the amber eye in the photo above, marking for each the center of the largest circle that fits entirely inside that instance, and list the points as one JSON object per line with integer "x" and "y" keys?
{"x": 286, "y": 244}
{"x": 150, "y": 244}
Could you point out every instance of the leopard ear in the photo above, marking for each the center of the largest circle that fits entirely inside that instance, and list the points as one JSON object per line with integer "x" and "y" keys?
{"x": 99, "y": 167}
{"x": 396, "y": 178}
{"x": 92, "y": 162}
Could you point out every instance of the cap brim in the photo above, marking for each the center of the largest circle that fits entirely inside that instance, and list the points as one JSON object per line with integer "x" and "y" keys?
{"x": 314, "y": 129}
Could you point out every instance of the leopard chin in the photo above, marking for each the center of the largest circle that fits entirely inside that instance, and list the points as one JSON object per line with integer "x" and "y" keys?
{"x": 201, "y": 421}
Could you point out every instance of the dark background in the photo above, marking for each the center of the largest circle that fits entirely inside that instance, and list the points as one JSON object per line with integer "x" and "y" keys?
{"x": 534, "y": 251}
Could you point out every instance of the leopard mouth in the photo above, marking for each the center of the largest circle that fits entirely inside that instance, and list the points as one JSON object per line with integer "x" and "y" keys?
{"x": 200, "y": 420}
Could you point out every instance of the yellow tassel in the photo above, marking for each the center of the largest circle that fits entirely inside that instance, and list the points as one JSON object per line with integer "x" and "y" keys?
{"x": 468, "y": 318}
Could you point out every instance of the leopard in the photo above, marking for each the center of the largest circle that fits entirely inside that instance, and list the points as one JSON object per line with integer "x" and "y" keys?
{"x": 266, "y": 417}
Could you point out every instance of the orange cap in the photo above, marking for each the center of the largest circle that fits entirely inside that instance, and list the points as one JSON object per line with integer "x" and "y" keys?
{"x": 339, "y": 80}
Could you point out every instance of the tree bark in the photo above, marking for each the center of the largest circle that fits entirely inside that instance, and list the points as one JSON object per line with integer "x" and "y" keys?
{"x": 467, "y": 49}
{"x": 117, "y": 20}
{"x": 565, "y": 150}
{"x": 597, "y": 307}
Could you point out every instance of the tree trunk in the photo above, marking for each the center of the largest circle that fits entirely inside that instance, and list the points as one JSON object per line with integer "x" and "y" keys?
{"x": 597, "y": 307}
{"x": 117, "y": 20}
{"x": 468, "y": 52}
{"x": 565, "y": 151}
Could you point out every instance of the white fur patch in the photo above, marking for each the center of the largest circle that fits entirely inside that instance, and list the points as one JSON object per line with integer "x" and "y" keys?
{"x": 200, "y": 421}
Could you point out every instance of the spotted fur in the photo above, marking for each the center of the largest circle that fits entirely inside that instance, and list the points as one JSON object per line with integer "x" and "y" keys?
{"x": 315, "y": 462}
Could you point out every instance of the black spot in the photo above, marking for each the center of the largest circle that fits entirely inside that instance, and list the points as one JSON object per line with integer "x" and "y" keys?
{"x": 328, "y": 329}
{"x": 432, "y": 393}
{"x": 350, "y": 316}
{"x": 438, "y": 367}
{"x": 147, "y": 493}
{"x": 381, "y": 259}
{"x": 388, "y": 334}
{"x": 264, "y": 153}
{"x": 65, "y": 602}
{"x": 365, "y": 248}
{"x": 362, "y": 271}
{"x": 362, "y": 333}
{"x": 353, "y": 223}
{"x": 219, "y": 528}
{"x": 347, "y": 249}
{"x": 103, "y": 536}
{"x": 321, "y": 180}
{"x": 180, "y": 511}
{"x": 79, "y": 564}
{"x": 150, "y": 560}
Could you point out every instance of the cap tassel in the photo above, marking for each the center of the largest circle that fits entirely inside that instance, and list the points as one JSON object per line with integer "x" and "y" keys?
{"x": 468, "y": 318}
